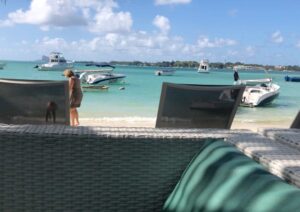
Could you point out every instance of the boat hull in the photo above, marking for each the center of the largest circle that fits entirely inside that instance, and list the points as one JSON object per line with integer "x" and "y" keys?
{"x": 292, "y": 79}
{"x": 256, "y": 96}
{"x": 55, "y": 68}
{"x": 101, "y": 79}
{"x": 203, "y": 71}
{"x": 164, "y": 72}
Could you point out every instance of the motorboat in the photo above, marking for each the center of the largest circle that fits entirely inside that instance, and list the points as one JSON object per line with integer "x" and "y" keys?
{"x": 2, "y": 65}
{"x": 56, "y": 62}
{"x": 164, "y": 72}
{"x": 254, "y": 81}
{"x": 292, "y": 79}
{"x": 95, "y": 87}
{"x": 96, "y": 69}
{"x": 100, "y": 67}
{"x": 259, "y": 92}
{"x": 100, "y": 78}
{"x": 99, "y": 74}
{"x": 203, "y": 66}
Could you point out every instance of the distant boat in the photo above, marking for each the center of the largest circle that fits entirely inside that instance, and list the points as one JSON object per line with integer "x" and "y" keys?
{"x": 2, "y": 65}
{"x": 292, "y": 79}
{"x": 203, "y": 66}
{"x": 96, "y": 68}
{"x": 56, "y": 63}
{"x": 164, "y": 72}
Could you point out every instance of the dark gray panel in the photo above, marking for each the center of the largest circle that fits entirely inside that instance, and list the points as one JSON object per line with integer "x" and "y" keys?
{"x": 198, "y": 106}
{"x": 296, "y": 122}
{"x": 27, "y": 101}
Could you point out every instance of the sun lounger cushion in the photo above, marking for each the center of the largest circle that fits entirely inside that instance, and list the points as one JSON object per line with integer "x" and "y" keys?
{"x": 220, "y": 178}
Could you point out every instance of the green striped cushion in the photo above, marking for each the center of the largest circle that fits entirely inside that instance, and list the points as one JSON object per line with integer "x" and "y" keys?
{"x": 220, "y": 178}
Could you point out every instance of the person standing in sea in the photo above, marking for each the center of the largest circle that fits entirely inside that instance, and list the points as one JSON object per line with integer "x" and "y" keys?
{"x": 75, "y": 95}
{"x": 236, "y": 76}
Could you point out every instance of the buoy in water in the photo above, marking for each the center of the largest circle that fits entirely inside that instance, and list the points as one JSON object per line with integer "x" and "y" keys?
{"x": 121, "y": 88}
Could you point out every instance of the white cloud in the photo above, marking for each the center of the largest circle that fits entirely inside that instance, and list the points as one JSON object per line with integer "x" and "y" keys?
{"x": 250, "y": 50}
{"x": 49, "y": 12}
{"x": 107, "y": 21}
{"x": 6, "y": 23}
{"x": 298, "y": 44}
{"x": 205, "y": 42}
{"x": 139, "y": 45}
{"x": 98, "y": 15}
{"x": 232, "y": 52}
{"x": 52, "y": 44}
{"x": 162, "y": 23}
{"x": 233, "y": 12}
{"x": 277, "y": 37}
{"x": 165, "y": 2}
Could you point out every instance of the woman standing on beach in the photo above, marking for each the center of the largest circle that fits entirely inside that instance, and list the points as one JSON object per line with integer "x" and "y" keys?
{"x": 75, "y": 94}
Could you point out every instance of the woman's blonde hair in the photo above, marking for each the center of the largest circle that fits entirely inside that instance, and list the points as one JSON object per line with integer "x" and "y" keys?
{"x": 68, "y": 73}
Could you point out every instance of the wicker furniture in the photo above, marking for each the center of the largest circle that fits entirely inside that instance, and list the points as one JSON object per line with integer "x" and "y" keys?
{"x": 88, "y": 172}
{"x": 60, "y": 168}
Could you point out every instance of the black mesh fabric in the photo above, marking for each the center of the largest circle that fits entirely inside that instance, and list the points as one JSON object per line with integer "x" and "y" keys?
{"x": 34, "y": 102}
{"x": 198, "y": 106}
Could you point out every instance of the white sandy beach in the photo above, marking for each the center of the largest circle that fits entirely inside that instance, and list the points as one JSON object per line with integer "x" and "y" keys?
{"x": 150, "y": 122}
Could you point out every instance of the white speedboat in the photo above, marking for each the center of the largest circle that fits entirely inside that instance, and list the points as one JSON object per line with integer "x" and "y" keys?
{"x": 2, "y": 65}
{"x": 100, "y": 74}
{"x": 203, "y": 66}
{"x": 260, "y": 94}
{"x": 57, "y": 62}
{"x": 100, "y": 78}
{"x": 100, "y": 67}
{"x": 164, "y": 72}
{"x": 96, "y": 69}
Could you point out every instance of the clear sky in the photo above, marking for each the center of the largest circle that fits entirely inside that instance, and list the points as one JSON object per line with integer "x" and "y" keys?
{"x": 249, "y": 31}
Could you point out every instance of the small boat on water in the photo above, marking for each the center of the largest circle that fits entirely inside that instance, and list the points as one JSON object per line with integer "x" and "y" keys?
{"x": 259, "y": 92}
{"x": 164, "y": 72}
{"x": 57, "y": 62}
{"x": 100, "y": 67}
{"x": 101, "y": 78}
{"x": 203, "y": 66}
{"x": 101, "y": 74}
{"x": 292, "y": 79}
{"x": 2, "y": 65}
{"x": 95, "y": 88}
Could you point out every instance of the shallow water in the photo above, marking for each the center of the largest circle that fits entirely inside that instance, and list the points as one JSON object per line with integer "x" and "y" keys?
{"x": 141, "y": 96}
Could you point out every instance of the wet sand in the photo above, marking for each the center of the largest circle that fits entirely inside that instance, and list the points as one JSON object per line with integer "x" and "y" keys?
{"x": 150, "y": 122}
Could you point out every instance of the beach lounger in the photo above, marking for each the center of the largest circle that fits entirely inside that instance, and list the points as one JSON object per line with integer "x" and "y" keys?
{"x": 289, "y": 136}
{"x": 198, "y": 106}
{"x": 34, "y": 102}
{"x": 296, "y": 122}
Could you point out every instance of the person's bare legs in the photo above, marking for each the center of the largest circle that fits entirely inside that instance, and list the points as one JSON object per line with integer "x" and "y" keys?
{"x": 76, "y": 117}
{"x": 72, "y": 116}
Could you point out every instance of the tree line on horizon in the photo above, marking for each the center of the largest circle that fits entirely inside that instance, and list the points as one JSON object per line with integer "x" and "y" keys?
{"x": 194, "y": 64}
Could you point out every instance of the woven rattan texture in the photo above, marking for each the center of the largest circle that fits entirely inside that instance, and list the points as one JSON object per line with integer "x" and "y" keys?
{"x": 73, "y": 172}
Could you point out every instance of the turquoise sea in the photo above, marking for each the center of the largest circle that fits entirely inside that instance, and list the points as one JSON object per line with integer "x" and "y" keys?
{"x": 141, "y": 95}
